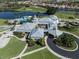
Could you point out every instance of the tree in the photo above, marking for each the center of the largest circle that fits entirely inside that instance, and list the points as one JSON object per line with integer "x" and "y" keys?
{"x": 51, "y": 10}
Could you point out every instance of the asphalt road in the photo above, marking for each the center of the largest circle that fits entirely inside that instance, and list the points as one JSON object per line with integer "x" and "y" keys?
{"x": 73, "y": 55}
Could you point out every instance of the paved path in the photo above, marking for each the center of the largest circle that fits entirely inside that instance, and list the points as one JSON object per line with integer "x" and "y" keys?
{"x": 31, "y": 52}
{"x": 68, "y": 54}
{"x": 21, "y": 52}
{"x": 21, "y": 39}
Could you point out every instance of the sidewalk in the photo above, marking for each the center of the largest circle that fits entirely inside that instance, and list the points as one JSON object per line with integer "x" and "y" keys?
{"x": 23, "y": 50}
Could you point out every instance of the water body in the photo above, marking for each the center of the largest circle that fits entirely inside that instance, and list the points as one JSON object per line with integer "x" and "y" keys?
{"x": 13, "y": 15}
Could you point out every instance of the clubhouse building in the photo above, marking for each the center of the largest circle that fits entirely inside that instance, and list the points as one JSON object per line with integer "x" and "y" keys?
{"x": 38, "y": 27}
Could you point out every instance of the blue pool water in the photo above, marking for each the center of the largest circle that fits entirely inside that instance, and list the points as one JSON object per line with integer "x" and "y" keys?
{"x": 13, "y": 15}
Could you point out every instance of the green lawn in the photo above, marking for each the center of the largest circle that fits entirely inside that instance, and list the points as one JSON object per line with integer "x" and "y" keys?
{"x": 43, "y": 54}
{"x": 2, "y": 22}
{"x": 74, "y": 31}
{"x": 66, "y": 14}
{"x": 33, "y": 9}
{"x": 13, "y": 48}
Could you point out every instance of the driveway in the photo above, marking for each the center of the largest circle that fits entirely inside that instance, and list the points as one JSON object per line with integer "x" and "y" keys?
{"x": 68, "y": 54}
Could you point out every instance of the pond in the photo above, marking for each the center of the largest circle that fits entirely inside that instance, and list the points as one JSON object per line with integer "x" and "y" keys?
{"x": 13, "y": 15}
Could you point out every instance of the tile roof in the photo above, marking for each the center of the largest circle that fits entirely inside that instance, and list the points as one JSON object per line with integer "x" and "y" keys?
{"x": 37, "y": 33}
{"x": 26, "y": 27}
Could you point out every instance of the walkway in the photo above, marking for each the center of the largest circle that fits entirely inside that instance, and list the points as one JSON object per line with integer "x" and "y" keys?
{"x": 5, "y": 38}
{"x": 23, "y": 50}
{"x": 31, "y": 52}
{"x": 60, "y": 52}
{"x": 21, "y": 39}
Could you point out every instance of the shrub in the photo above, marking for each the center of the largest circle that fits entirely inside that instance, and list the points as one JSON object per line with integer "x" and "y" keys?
{"x": 65, "y": 40}
{"x": 31, "y": 42}
{"x": 71, "y": 17}
{"x": 19, "y": 34}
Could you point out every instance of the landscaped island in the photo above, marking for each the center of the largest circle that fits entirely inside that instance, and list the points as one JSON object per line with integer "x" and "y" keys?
{"x": 66, "y": 41}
